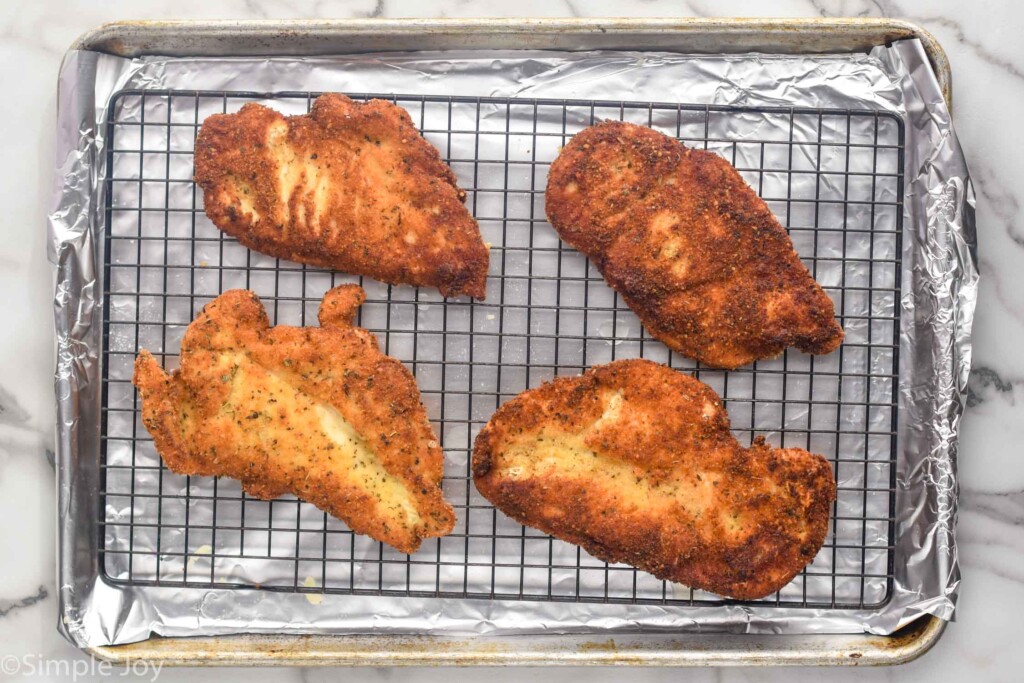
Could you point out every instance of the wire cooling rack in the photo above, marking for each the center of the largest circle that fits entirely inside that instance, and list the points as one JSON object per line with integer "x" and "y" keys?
{"x": 833, "y": 177}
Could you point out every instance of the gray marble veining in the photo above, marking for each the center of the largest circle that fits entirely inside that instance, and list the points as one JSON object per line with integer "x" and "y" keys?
{"x": 8, "y": 606}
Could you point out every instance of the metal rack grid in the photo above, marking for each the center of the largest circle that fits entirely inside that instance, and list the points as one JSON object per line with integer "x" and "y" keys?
{"x": 833, "y": 177}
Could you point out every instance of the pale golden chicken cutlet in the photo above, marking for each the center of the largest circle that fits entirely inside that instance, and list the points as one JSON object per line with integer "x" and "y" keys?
{"x": 349, "y": 186}
{"x": 635, "y": 463}
{"x": 689, "y": 245}
{"x": 318, "y": 412}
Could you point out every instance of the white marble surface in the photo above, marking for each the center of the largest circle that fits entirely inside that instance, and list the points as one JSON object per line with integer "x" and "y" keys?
{"x": 984, "y": 46}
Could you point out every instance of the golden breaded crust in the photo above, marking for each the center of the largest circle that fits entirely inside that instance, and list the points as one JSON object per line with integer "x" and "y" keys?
{"x": 318, "y": 412}
{"x": 635, "y": 462}
{"x": 349, "y": 186}
{"x": 690, "y": 246}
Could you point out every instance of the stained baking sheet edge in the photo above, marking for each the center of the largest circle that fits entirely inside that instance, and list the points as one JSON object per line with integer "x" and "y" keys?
{"x": 687, "y": 34}
{"x": 690, "y": 650}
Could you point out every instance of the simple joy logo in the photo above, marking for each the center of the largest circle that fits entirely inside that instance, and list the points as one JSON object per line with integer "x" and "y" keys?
{"x": 34, "y": 665}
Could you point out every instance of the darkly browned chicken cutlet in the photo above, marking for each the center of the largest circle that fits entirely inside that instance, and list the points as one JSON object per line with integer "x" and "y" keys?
{"x": 689, "y": 245}
{"x": 635, "y": 462}
{"x": 317, "y": 412}
{"x": 349, "y": 186}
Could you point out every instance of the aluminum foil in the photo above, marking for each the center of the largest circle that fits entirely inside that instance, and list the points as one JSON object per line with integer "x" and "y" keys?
{"x": 939, "y": 285}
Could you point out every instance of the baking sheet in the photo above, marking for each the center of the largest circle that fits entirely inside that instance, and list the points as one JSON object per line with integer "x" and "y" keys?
{"x": 939, "y": 279}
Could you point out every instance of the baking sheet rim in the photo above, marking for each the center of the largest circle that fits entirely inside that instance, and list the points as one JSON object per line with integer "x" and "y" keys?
{"x": 257, "y": 650}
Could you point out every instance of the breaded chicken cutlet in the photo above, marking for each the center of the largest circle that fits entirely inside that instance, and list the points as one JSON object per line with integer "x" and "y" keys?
{"x": 317, "y": 412}
{"x": 635, "y": 462}
{"x": 349, "y": 186}
{"x": 689, "y": 245}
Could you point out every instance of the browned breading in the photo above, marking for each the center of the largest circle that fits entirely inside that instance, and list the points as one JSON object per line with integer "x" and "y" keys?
{"x": 689, "y": 245}
{"x": 318, "y": 412}
{"x": 349, "y": 186}
{"x": 635, "y": 462}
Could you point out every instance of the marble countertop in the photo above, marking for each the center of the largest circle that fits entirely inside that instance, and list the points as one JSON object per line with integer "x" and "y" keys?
{"x": 983, "y": 44}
